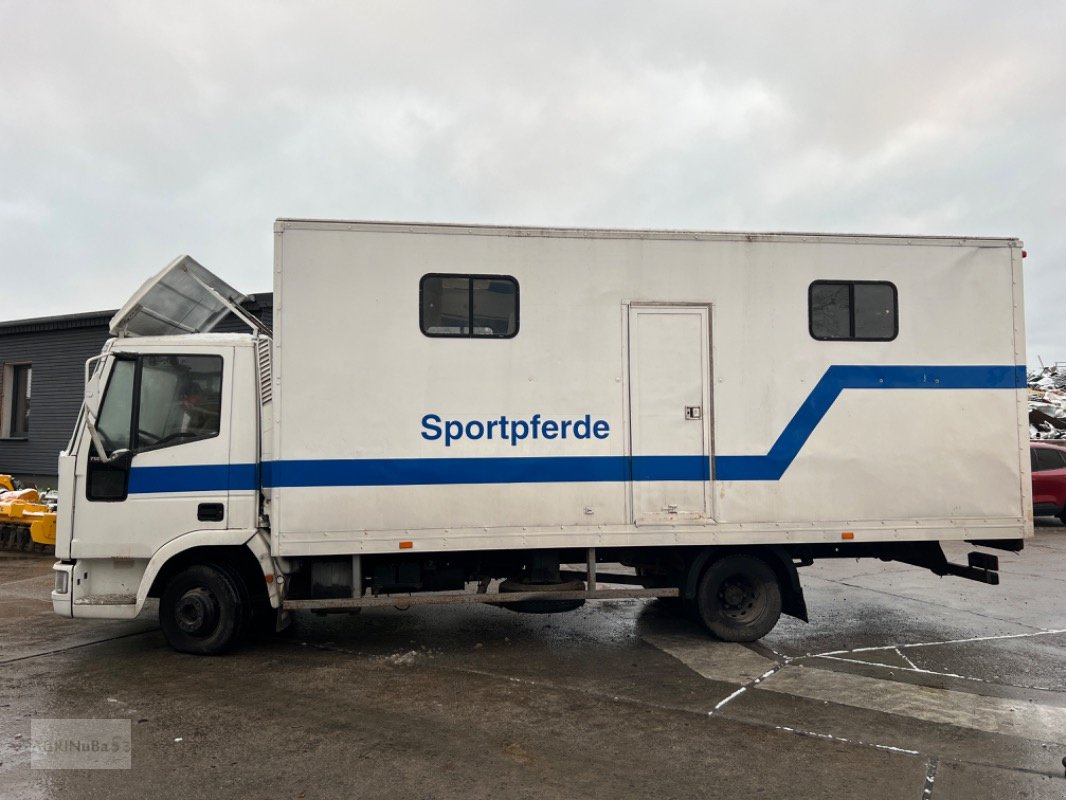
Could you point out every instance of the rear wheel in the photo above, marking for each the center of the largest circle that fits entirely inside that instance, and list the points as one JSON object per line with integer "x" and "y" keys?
{"x": 739, "y": 598}
{"x": 203, "y": 610}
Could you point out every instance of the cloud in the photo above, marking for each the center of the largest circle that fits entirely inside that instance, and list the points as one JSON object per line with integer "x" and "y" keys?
{"x": 132, "y": 135}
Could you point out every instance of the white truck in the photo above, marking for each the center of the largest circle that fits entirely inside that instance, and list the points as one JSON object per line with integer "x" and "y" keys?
{"x": 457, "y": 414}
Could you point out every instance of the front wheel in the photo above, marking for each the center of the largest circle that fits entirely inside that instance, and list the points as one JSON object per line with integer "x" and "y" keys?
{"x": 739, "y": 598}
{"x": 202, "y": 610}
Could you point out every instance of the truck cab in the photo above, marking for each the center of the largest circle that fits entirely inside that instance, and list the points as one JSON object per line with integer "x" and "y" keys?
{"x": 163, "y": 466}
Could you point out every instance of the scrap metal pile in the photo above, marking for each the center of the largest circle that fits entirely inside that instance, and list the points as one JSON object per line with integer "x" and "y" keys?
{"x": 27, "y": 520}
{"x": 1047, "y": 403}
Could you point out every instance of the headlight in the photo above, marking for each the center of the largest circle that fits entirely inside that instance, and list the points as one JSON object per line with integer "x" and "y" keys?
{"x": 62, "y": 582}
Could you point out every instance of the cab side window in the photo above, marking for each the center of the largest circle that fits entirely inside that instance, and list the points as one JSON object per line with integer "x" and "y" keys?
{"x": 178, "y": 400}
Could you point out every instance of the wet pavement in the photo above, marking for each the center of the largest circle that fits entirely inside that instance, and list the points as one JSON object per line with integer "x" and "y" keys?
{"x": 904, "y": 685}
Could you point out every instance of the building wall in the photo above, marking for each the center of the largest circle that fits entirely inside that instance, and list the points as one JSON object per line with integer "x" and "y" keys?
{"x": 58, "y": 348}
{"x": 57, "y": 353}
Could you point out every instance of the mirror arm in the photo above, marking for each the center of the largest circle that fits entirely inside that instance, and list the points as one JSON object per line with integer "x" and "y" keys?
{"x": 90, "y": 423}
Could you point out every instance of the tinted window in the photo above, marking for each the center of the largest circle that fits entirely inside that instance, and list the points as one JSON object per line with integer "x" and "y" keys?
{"x": 1046, "y": 458}
{"x": 857, "y": 310}
{"x": 21, "y": 375}
{"x": 830, "y": 311}
{"x": 180, "y": 399}
{"x": 468, "y": 306}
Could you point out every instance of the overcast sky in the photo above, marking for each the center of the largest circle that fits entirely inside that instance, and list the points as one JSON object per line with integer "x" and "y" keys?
{"x": 133, "y": 132}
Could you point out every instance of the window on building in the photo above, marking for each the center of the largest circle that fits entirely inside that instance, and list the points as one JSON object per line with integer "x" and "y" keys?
{"x": 17, "y": 380}
{"x": 468, "y": 305}
{"x": 865, "y": 311}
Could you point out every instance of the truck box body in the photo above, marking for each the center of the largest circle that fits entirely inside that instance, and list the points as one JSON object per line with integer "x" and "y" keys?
{"x": 795, "y": 439}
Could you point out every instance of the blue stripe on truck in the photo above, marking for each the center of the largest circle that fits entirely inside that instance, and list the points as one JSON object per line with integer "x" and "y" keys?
{"x": 194, "y": 478}
{"x": 575, "y": 469}
{"x": 527, "y": 469}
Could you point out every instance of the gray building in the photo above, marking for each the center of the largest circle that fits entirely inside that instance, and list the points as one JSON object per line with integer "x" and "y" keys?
{"x": 42, "y": 372}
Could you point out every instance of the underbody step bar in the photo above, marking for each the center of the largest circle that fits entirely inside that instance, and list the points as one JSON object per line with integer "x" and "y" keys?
{"x": 591, "y": 592}
{"x": 402, "y": 600}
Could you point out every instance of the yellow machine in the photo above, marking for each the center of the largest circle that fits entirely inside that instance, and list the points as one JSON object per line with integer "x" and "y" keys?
{"x": 25, "y": 523}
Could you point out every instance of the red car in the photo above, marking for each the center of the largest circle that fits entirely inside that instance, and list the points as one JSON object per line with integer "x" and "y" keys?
{"x": 1049, "y": 479}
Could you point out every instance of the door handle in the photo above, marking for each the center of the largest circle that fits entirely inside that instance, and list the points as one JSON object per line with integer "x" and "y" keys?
{"x": 210, "y": 512}
{"x": 693, "y": 412}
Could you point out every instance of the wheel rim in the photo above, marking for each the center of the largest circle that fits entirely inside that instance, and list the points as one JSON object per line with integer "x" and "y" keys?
{"x": 197, "y": 612}
{"x": 737, "y": 597}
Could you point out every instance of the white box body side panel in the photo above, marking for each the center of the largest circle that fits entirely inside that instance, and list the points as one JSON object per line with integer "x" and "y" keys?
{"x": 933, "y": 451}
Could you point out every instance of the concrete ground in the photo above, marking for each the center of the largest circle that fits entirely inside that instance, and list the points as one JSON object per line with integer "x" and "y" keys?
{"x": 904, "y": 686}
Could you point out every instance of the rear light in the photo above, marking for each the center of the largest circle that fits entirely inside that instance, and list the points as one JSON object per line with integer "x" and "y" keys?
{"x": 62, "y": 582}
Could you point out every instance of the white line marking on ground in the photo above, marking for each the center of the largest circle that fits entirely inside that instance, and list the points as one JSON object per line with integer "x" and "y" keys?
{"x": 735, "y": 694}
{"x": 946, "y": 641}
{"x": 930, "y": 777}
{"x": 900, "y": 654}
{"x": 944, "y": 706}
{"x": 898, "y": 668}
{"x": 831, "y": 737}
{"x": 731, "y": 663}
{"x": 717, "y": 661}
{"x": 743, "y": 689}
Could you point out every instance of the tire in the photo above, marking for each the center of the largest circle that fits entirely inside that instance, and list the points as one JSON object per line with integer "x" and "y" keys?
{"x": 739, "y": 598}
{"x": 202, "y": 610}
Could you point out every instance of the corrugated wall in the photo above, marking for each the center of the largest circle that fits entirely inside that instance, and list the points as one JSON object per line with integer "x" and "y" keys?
{"x": 58, "y": 359}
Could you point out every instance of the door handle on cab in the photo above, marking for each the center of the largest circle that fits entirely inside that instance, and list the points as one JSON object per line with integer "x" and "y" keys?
{"x": 210, "y": 512}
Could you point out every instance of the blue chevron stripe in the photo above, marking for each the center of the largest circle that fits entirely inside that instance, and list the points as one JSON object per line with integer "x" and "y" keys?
{"x": 836, "y": 379}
